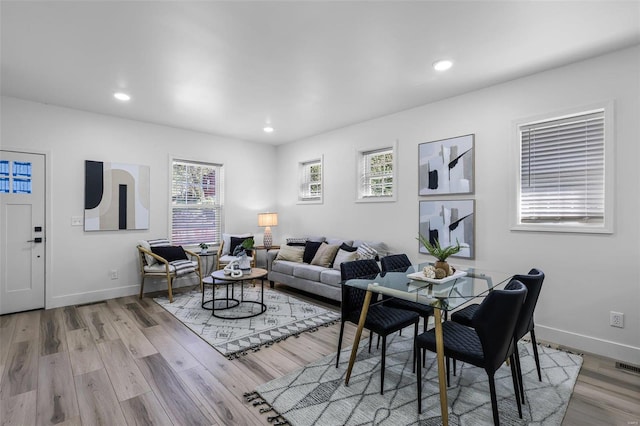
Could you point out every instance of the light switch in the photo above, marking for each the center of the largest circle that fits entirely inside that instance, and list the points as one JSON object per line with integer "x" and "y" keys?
{"x": 76, "y": 220}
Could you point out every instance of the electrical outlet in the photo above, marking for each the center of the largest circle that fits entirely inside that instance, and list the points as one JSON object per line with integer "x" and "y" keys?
{"x": 113, "y": 274}
{"x": 616, "y": 319}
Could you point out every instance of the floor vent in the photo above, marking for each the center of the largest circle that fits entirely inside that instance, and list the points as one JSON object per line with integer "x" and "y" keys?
{"x": 628, "y": 367}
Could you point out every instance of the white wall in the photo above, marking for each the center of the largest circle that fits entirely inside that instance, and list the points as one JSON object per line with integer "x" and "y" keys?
{"x": 78, "y": 262}
{"x": 588, "y": 275}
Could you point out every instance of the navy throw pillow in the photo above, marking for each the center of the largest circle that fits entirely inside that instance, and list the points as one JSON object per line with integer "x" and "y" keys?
{"x": 170, "y": 253}
{"x": 310, "y": 249}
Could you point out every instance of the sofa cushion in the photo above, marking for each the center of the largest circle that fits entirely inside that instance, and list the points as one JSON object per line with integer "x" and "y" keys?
{"x": 365, "y": 251}
{"x": 290, "y": 253}
{"x": 331, "y": 277}
{"x": 308, "y": 272}
{"x": 325, "y": 255}
{"x": 310, "y": 249}
{"x": 344, "y": 256}
{"x": 378, "y": 246}
{"x": 284, "y": 266}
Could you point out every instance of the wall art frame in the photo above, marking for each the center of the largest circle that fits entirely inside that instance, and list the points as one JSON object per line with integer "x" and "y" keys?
{"x": 116, "y": 196}
{"x": 446, "y": 166}
{"x": 449, "y": 221}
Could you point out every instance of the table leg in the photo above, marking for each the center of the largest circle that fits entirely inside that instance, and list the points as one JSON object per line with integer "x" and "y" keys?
{"x": 356, "y": 341}
{"x": 442, "y": 380}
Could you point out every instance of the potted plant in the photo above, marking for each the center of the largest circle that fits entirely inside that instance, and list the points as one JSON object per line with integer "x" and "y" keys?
{"x": 203, "y": 248}
{"x": 440, "y": 253}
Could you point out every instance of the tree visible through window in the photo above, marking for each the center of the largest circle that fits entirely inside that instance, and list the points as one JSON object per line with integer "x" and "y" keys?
{"x": 196, "y": 202}
{"x": 311, "y": 181}
{"x": 376, "y": 177}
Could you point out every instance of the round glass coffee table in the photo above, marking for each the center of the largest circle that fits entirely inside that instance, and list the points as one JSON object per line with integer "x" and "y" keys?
{"x": 216, "y": 305}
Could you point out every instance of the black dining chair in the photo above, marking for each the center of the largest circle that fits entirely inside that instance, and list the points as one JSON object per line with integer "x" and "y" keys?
{"x": 380, "y": 319}
{"x": 533, "y": 281}
{"x": 401, "y": 263}
{"x": 486, "y": 344}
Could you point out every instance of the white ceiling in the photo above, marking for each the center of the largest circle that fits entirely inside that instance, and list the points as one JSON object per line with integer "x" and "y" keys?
{"x": 226, "y": 68}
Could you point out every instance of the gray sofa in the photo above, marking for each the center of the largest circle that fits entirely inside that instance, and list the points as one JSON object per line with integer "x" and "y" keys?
{"x": 318, "y": 280}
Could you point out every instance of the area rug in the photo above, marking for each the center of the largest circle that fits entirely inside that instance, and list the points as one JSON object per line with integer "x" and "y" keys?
{"x": 285, "y": 316}
{"x": 316, "y": 394}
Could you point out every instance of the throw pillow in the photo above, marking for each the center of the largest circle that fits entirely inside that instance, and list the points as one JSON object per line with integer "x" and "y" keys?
{"x": 310, "y": 249}
{"x": 300, "y": 241}
{"x": 226, "y": 242}
{"x": 170, "y": 253}
{"x": 153, "y": 243}
{"x": 325, "y": 255}
{"x": 365, "y": 251}
{"x": 290, "y": 253}
{"x": 235, "y": 242}
{"x": 344, "y": 256}
{"x": 347, "y": 247}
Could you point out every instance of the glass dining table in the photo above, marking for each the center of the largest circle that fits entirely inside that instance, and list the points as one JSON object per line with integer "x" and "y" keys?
{"x": 445, "y": 295}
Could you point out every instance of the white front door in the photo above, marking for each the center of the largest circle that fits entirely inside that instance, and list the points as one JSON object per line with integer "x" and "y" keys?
{"x": 22, "y": 246}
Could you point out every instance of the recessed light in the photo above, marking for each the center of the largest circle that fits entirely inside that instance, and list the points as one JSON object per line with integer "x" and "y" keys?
{"x": 442, "y": 65}
{"x": 121, "y": 96}
{"x": 268, "y": 128}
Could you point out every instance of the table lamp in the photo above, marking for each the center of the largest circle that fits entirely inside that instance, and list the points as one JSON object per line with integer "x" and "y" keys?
{"x": 268, "y": 220}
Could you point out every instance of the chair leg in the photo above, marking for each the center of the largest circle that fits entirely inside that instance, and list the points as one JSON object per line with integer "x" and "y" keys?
{"x": 535, "y": 353}
{"x": 370, "y": 340}
{"x": 142, "y": 287}
{"x": 384, "y": 357}
{"x": 448, "y": 362}
{"x": 516, "y": 356}
{"x": 416, "y": 354}
{"x": 169, "y": 284}
{"x": 339, "y": 342}
{"x": 494, "y": 400}
{"x": 516, "y": 386}
{"x": 415, "y": 336}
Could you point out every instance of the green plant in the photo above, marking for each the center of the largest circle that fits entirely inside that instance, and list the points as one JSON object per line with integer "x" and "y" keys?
{"x": 435, "y": 250}
{"x": 248, "y": 243}
{"x": 204, "y": 246}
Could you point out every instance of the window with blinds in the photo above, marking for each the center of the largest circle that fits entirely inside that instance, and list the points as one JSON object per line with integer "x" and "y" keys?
{"x": 562, "y": 170}
{"x": 376, "y": 173}
{"x": 310, "y": 181}
{"x": 196, "y": 203}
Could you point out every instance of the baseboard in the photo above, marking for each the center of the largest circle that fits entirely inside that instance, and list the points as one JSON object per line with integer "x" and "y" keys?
{"x": 589, "y": 344}
{"x": 110, "y": 293}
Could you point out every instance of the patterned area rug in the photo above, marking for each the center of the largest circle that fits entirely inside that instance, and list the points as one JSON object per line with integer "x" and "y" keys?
{"x": 316, "y": 394}
{"x": 285, "y": 316}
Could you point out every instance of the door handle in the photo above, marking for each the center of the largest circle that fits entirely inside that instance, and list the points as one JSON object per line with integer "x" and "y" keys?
{"x": 35, "y": 240}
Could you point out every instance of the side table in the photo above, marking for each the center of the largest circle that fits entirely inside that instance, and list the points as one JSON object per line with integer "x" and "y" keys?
{"x": 266, "y": 249}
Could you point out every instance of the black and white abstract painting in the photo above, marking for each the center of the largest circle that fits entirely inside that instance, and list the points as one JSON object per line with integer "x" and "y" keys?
{"x": 446, "y": 166}
{"x": 448, "y": 222}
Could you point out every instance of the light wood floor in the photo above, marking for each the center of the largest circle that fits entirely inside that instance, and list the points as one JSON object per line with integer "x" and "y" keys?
{"x": 127, "y": 361}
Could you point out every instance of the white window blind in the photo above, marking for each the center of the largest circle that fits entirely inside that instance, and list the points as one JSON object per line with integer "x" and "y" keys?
{"x": 562, "y": 170}
{"x": 196, "y": 203}
{"x": 376, "y": 176}
{"x": 311, "y": 181}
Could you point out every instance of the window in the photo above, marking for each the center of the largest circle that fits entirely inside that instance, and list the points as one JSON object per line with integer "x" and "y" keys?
{"x": 196, "y": 202}
{"x": 376, "y": 178}
{"x": 562, "y": 179}
{"x": 311, "y": 181}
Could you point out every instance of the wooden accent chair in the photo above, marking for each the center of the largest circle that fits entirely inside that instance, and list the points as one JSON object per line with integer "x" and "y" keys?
{"x": 159, "y": 259}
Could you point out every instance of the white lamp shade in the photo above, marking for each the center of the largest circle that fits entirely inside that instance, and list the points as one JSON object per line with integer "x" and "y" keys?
{"x": 267, "y": 219}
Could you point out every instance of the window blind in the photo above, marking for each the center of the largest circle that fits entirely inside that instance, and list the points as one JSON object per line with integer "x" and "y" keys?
{"x": 196, "y": 205}
{"x": 376, "y": 178}
{"x": 311, "y": 181}
{"x": 562, "y": 170}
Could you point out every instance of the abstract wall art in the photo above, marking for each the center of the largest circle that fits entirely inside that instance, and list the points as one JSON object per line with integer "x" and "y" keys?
{"x": 449, "y": 221}
{"x": 116, "y": 196}
{"x": 446, "y": 166}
